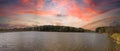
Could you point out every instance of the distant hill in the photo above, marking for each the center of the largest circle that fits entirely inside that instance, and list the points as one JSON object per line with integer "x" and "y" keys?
{"x": 110, "y": 18}
{"x": 48, "y": 28}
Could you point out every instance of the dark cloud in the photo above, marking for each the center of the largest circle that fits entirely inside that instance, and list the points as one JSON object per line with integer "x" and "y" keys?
{"x": 8, "y": 2}
{"x": 101, "y": 2}
{"x": 103, "y": 5}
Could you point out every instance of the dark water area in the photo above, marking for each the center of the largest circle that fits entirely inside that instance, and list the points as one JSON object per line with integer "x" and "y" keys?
{"x": 55, "y": 41}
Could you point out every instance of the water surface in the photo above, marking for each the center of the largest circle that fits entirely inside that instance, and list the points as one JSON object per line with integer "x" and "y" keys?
{"x": 55, "y": 41}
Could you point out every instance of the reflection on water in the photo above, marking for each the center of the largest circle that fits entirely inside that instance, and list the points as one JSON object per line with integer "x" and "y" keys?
{"x": 53, "y": 41}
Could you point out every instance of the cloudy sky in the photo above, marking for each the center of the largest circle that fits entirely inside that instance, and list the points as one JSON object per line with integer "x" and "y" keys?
{"x": 74, "y": 13}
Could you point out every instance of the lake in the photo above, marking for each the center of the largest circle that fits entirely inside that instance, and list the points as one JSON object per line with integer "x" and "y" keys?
{"x": 55, "y": 41}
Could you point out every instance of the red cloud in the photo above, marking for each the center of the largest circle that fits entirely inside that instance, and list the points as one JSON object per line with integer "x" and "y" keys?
{"x": 25, "y": 1}
{"x": 39, "y": 3}
{"x": 92, "y": 11}
{"x": 84, "y": 14}
{"x": 90, "y": 3}
{"x": 72, "y": 9}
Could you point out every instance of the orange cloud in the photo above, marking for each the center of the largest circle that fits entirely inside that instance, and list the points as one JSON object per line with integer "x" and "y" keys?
{"x": 37, "y": 12}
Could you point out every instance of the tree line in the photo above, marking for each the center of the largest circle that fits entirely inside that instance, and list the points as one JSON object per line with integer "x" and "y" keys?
{"x": 48, "y": 28}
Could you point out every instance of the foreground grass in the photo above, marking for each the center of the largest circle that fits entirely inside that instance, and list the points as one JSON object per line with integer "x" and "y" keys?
{"x": 116, "y": 37}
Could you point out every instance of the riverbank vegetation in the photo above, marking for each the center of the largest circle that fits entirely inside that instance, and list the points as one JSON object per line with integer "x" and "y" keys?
{"x": 112, "y": 31}
{"x": 108, "y": 29}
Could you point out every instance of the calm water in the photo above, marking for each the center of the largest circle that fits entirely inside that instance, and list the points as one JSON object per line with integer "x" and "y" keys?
{"x": 54, "y": 41}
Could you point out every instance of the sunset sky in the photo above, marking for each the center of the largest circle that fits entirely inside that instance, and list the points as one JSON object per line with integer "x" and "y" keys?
{"x": 74, "y": 13}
